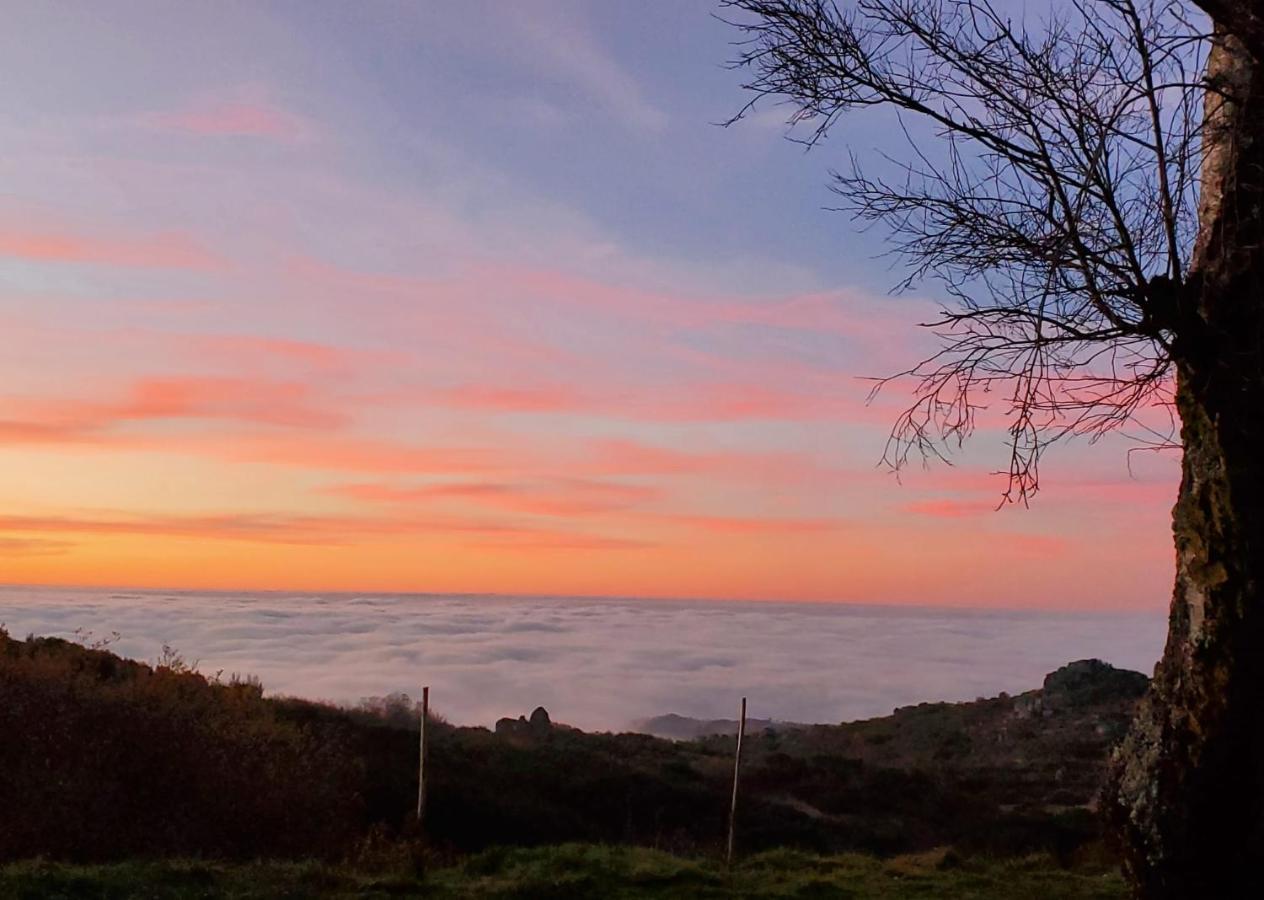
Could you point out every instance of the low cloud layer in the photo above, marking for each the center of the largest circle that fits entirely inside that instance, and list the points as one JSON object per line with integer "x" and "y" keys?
{"x": 598, "y": 664}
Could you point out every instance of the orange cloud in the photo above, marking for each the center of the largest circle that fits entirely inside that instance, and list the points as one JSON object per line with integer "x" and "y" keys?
{"x": 564, "y": 542}
{"x": 583, "y": 497}
{"x": 558, "y": 497}
{"x": 20, "y": 432}
{"x": 255, "y": 401}
{"x": 241, "y": 527}
{"x": 11, "y": 546}
{"x": 300, "y": 530}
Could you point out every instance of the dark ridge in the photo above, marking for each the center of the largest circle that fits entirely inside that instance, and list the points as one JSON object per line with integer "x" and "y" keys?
{"x": 103, "y": 758}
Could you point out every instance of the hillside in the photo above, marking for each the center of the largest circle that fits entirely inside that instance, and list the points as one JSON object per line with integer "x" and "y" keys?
{"x": 103, "y": 758}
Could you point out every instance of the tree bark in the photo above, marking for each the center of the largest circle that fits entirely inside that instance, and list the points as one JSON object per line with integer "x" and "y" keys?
{"x": 1187, "y": 789}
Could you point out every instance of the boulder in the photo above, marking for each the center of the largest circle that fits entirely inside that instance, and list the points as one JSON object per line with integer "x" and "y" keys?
{"x": 1091, "y": 681}
{"x": 539, "y": 723}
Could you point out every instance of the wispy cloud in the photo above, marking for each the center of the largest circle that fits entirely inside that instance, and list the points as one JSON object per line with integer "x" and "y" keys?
{"x": 950, "y": 509}
{"x": 249, "y": 110}
{"x": 231, "y": 119}
{"x": 279, "y": 528}
{"x": 556, "y": 497}
{"x": 562, "y": 47}
{"x": 13, "y": 546}
{"x": 154, "y": 399}
{"x": 171, "y": 250}
{"x": 779, "y": 525}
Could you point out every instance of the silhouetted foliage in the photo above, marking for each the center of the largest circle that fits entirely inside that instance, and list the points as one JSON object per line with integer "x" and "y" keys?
{"x": 103, "y": 758}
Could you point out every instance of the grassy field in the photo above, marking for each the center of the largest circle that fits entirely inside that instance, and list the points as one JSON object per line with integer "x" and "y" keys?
{"x": 574, "y": 871}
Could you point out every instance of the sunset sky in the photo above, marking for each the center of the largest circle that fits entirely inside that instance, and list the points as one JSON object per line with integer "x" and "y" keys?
{"x": 477, "y": 297}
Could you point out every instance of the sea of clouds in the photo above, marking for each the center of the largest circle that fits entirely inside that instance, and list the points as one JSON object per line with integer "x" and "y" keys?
{"x": 596, "y": 663}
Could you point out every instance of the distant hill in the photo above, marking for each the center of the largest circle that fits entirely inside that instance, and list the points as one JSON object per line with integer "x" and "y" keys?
{"x": 1084, "y": 688}
{"x": 673, "y": 727}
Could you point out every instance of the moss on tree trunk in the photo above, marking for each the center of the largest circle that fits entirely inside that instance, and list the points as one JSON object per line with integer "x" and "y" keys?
{"x": 1187, "y": 789}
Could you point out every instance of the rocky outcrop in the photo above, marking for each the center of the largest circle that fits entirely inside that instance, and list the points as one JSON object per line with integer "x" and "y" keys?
{"x": 537, "y": 726}
{"x": 1088, "y": 682}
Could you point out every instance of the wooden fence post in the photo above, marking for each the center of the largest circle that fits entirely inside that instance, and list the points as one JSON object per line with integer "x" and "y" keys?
{"x": 421, "y": 757}
{"x": 737, "y": 768}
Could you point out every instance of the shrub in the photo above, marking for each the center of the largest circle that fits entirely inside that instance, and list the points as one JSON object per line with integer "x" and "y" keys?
{"x": 102, "y": 758}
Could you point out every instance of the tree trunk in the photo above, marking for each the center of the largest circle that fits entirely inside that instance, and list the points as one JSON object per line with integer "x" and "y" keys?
{"x": 1187, "y": 788}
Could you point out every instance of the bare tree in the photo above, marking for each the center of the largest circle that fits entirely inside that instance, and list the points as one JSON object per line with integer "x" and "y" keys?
{"x": 1089, "y": 189}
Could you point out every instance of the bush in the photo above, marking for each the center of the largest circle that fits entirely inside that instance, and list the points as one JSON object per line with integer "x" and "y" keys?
{"x": 103, "y": 758}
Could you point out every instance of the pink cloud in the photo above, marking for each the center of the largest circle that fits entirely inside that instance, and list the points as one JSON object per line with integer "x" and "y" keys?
{"x": 843, "y": 313}
{"x": 629, "y": 457}
{"x": 950, "y": 509}
{"x": 169, "y": 250}
{"x": 604, "y": 397}
{"x": 236, "y": 399}
{"x": 324, "y": 444}
{"x": 833, "y": 312}
{"x": 1037, "y": 545}
{"x": 350, "y": 454}
{"x": 751, "y": 524}
{"x": 510, "y": 399}
{"x": 735, "y": 402}
{"x": 249, "y": 350}
{"x": 247, "y": 400}
{"x": 236, "y": 119}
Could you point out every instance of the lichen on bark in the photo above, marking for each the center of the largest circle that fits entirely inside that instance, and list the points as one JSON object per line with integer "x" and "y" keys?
{"x": 1187, "y": 789}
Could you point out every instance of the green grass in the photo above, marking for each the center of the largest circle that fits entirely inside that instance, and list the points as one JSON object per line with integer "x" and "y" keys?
{"x": 572, "y": 871}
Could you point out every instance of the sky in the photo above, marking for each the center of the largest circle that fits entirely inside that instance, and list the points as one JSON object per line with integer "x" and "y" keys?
{"x": 478, "y": 297}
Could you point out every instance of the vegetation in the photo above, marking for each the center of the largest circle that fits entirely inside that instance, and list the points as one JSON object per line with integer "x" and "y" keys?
{"x": 108, "y": 767}
{"x": 105, "y": 758}
{"x": 577, "y": 870}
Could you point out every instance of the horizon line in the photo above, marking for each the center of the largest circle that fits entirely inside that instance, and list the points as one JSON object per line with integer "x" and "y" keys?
{"x": 613, "y": 597}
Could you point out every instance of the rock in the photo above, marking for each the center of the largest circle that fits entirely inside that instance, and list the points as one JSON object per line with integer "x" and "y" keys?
{"x": 511, "y": 726}
{"x": 539, "y": 725}
{"x": 1028, "y": 705}
{"x": 1089, "y": 681}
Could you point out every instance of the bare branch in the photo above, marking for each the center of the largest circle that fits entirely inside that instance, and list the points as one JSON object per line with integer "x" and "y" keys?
{"x": 1057, "y": 209}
